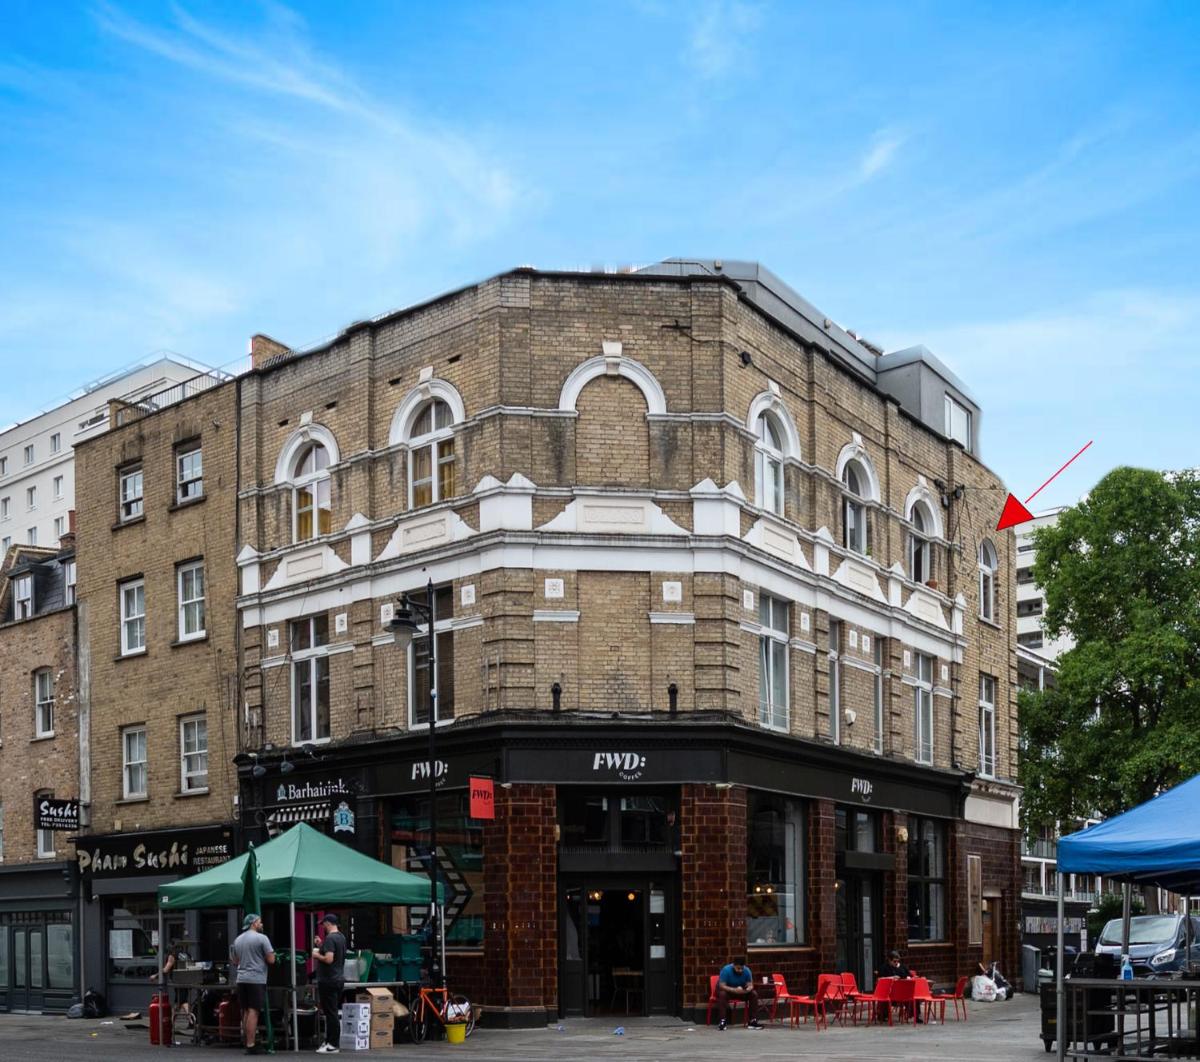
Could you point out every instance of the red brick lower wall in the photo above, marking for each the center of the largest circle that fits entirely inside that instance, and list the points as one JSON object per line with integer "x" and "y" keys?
{"x": 712, "y": 886}
{"x": 1001, "y": 863}
{"x": 518, "y": 983}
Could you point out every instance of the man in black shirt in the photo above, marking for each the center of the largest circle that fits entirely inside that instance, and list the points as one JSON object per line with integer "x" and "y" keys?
{"x": 330, "y": 956}
{"x": 894, "y": 967}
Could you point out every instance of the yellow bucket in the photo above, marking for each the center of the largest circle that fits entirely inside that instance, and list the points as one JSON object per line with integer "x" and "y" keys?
{"x": 456, "y": 1032}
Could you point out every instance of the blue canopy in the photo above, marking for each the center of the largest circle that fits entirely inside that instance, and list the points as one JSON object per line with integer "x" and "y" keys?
{"x": 1156, "y": 843}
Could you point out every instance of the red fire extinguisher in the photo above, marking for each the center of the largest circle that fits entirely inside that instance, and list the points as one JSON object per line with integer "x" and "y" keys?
{"x": 161, "y": 1031}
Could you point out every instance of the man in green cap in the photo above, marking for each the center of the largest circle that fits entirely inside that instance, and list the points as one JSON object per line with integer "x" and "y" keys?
{"x": 251, "y": 954}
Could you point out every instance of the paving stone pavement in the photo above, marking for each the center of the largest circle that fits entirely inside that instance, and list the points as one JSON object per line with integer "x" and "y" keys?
{"x": 994, "y": 1032}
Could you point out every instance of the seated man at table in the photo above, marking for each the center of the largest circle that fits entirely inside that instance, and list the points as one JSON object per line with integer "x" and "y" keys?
{"x": 893, "y": 967}
{"x": 735, "y": 983}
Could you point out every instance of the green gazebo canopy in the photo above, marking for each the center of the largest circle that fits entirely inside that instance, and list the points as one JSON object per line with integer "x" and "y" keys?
{"x": 304, "y": 867}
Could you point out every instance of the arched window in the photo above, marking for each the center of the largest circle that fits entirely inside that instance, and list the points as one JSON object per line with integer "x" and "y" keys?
{"x": 854, "y": 510}
{"x": 310, "y": 493}
{"x": 768, "y": 464}
{"x": 987, "y": 580}
{"x": 431, "y": 454}
{"x": 918, "y": 544}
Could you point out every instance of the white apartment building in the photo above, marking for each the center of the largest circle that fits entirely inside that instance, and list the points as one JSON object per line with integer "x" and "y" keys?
{"x": 1031, "y": 601}
{"x": 37, "y": 479}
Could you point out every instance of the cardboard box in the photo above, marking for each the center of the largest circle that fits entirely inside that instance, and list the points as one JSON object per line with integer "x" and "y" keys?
{"x": 377, "y": 1000}
{"x": 381, "y": 1037}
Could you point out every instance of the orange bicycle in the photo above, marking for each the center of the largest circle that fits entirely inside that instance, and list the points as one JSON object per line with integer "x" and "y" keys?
{"x": 428, "y": 1008}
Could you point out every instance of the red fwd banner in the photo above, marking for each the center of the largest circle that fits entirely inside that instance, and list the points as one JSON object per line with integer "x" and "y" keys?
{"x": 483, "y": 804}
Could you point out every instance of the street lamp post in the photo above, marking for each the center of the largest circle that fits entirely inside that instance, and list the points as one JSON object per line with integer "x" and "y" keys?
{"x": 404, "y": 624}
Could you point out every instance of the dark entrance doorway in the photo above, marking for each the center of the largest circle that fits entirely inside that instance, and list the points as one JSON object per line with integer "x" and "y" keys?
{"x": 990, "y": 921}
{"x": 615, "y": 955}
{"x": 858, "y": 926}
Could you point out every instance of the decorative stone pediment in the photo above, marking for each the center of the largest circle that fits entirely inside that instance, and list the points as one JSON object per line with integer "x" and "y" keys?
{"x": 776, "y": 537}
{"x": 608, "y": 514}
{"x": 424, "y": 531}
{"x": 860, "y": 578}
{"x": 925, "y": 606}
{"x": 304, "y": 565}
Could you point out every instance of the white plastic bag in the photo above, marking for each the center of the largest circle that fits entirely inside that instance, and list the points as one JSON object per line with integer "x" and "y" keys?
{"x": 984, "y": 989}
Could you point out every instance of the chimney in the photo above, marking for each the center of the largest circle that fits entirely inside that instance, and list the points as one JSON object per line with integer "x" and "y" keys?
{"x": 263, "y": 347}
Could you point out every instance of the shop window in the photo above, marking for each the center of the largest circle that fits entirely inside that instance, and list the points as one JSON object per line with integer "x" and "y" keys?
{"x": 418, "y": 657}
{"x": 987, "y": 726}
{"x": 857, "y": 831}
{"x": 923, "y": 709}
{"x": 768, "y": 464}
{"x": 926, "y": 880}
{"x": 311, "y": 499}
{"x": 643, "y": 822}
{"x": 310, "y": 679}
{"x": 460, "y": 863}
{"x": 590, "y": 820}
{"x": 775, "y": 870}
{"x": 131, "y": 493}
{"x": 189, "y": 474}
{"x": 132, "y": 931}
{"x": 60, "y": 956}
{"x": 43, "y": 703}
{"x": 431, "y": 454}
{"x": 584, "y": 820}
{"x": 193, "y": 753}
{"x": 773, "y": 618}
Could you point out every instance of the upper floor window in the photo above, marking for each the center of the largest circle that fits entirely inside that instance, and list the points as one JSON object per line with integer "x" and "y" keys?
{"x": 23, "y": 597}
{"x": 5, "y": 544}
{"x": 4, "y": 508}
{"x": 58, "y": 488}
{"x": 193, "y": 753}
{"x": 133, "y": 617}
{"x": 988, "y": 564}
{"x": 918, "y": 544}
{"x": 31, "y": 536}
{"x": 131, "y": 493}
{"x": 987, "y": 726}
{"x": 775, "y": 622}
{"x": 958, "y": 422}
{"x": 835, "y": 681}
{"x": 768, "y": 464}
{"x": 31, "y": 497}
{"x": 3, "y": 466}
{"x": 189, "y": 474}
{"x": 923, "y": 709}
{"x": 309, "y": 638}
{"x": 191, "y": 601}
{"x": 419, "y": 665}
{"x": 878, "y": 695}
{"x": 854, "y": 509}
{"x": 431, "y": 454}
{"x": 43, "y": 703}
{"x": 311, "y": 493}
{"x": 29, "y": 454}
{"x": 69, "y": 581}
{"x": 45, "y": 838}
{"x": 60, "y": 526}
{"x": 55, "y": 443}
{"x": 133, "y": 762}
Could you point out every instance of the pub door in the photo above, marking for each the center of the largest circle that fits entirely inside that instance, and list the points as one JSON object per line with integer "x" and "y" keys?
{"x": 859, "y": 929}
{"x": 616, "y": 946}
{"x": 27, "y": 967}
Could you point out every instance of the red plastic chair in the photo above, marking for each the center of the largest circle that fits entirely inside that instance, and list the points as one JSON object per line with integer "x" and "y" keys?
{"x": 782, "y": 995}
{"x": 816, "y": 1002}
{"x": 959, "y": 997}
{"x": 712, "y": 1001}
{"x": 881, "y": 997}
{"x": 904, "y": 1000}
{"x": 924, "y": 998}
{"x": 849, "y": 985}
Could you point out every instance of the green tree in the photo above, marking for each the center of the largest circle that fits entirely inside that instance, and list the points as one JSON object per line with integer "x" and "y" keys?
{"x": 1121, "y": 575}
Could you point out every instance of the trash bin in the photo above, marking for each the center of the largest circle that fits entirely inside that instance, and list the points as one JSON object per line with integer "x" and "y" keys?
{"x": 1031, "y": 962}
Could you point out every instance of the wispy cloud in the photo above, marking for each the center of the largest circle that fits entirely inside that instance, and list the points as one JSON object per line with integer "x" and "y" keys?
{"x": 720, "y": 36}
{"x": 878, "y": 157}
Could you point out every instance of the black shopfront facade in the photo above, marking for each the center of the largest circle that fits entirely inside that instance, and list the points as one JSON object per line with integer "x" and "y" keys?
{"x": 630, "y": 857}
{"x": 119, "y": 875}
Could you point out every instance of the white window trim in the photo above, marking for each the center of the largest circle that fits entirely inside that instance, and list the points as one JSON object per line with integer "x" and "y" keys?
{"x": 987, "y": 585}
{"x": 45, "y": 843}
{"x": 430, "y": 441}
{"x": 300, "y": 483}
{"x": 180, "y": 482}
{"x": 950, "y": 405}
{"x": 768, "y": 460}
{"x": 56, "y": 442}
{"x": 31, "y": 499}
{"x": 140, "y": 498}
{"x": 23, "y": 597}
{"x": 307, "y": 656}
{"x": 131, "y": 584}
{"x": 835, "y": 683}
{"x": 5, "y": 508}
{"x": 28, "y": 455}
{"x": 126, "y": 763}
{"x": 780, "y": 637}
{"x": 878, "y": 696}
{"x": 57, "y": 485}
{"x": 70, "y": 577}
{"x": 922, "y": 696}
{"x": 856, "y": 503}
{"x": 181, "y": 603}
{"x": 185, "y": 777}
{"x": 987, "y": 717}
{"x": 38, "y": 730}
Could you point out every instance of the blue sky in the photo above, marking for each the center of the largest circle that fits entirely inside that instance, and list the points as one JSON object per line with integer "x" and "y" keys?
{"x": 1016, "y": 186}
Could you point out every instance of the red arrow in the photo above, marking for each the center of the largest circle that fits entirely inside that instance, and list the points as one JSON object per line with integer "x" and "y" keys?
{"x": 1015, "y": 512}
